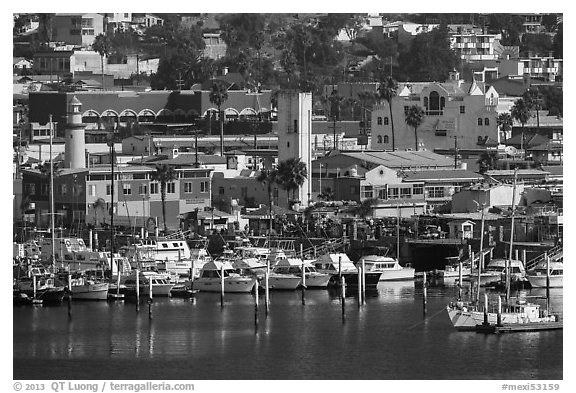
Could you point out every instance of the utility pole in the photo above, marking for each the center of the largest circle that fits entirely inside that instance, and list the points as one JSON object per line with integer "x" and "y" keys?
{"x": 456, "y": 149}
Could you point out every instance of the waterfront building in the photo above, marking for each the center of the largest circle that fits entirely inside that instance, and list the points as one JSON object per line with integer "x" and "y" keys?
{"x": 457, "y": 114}
{"x": 115, "y": 109}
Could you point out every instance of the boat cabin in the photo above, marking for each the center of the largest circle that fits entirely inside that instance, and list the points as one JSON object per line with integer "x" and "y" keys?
{"x": 329, "y": 263}
{"x": 213, "y": 269}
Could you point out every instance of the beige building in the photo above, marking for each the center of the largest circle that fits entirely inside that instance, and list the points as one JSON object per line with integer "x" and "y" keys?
{"x": 456, "y": 114}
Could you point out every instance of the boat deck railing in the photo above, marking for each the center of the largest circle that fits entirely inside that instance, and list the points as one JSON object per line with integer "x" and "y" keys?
{"x": 555, "y": 254}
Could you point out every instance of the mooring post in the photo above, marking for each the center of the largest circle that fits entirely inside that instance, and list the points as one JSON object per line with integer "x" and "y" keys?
{"x": 343, "y": 295}
{"x": 303, "y": 282}
{"x": 69, "y": 295}
{"x": 485, "y": 309}
{"x": 499, "y": 315}
{"x": 222, "y": 285}
{"x": 137, "y": 290}
{"x": 359, "y": 285}
{"x": 256, "y": 306}
{"x": 150, "y": 299}
{"x": 363, "y": 282}
{"x": 267, "y": 287}
{"x": 424, "y": 294}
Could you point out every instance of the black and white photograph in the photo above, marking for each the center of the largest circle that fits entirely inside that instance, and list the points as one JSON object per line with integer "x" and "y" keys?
{"x": 325, "y": 200}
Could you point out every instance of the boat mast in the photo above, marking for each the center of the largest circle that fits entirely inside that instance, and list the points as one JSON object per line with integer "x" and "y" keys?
{"x": 509, "y": 259}
{"x": 52, "y": 216}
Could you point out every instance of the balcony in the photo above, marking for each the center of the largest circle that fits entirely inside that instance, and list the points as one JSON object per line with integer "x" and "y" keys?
{"x": 434, "y": 113}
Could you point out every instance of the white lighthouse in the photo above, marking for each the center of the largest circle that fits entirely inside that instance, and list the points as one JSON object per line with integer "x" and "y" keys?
{"x": 295, "y": 135}
{"x": 74, "y": 156}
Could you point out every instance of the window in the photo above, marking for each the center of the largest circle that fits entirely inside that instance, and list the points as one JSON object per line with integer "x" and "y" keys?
{"x": 126, "y": 189}
{"x": 418, "y": 189}
{"x": 406, "y": 110}
{"x": 63, "y": 189}
{"x": 367, "y": 192}
{"x": 296, "y": 125}
{"x": 379, "y": 138}
{"x": 393, "y": 193}
{"x": 486, "y": 121}
{"x": 153, "y": 188}
{"x": 379, "y": 120}
{"x": 462, "y": 109}
{"x": 287, "y": 144}
{"x": 244, "y": 191}
{"x": 386, "y": 139}
{"x": 188, "y": 187}
{"x": 435, "y": 192}
{"x": 221, "y": 190}
{"x": 382, "y": 193}
{"x": 108, "y": 189}
{"x": 44, "y": 189}
{"x": 77, "y": 189}
{"x": 385, "y": 121}
{"x": 31, "y": 189}
{"x": 275, "y": 193}
{"x": 479, "y": 121}
{"x": 204, "y": 186}
{"x": 170, "y": 188}
{"x": 142, "y": 189}
{"x": 405, "y": 193}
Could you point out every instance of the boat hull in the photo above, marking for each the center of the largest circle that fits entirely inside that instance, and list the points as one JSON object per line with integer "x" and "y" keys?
{"x": 157, "y": 290}
{"x": 372, "y": 279}
{"x": 90, "y": 292}
{"x": 397, "y": 275}
{"x": 317, "y": 280}
{"x": 231, "y": 285}
{"x": 540, "y": 281}
{"x": 282, "y": 281}
{"x": 468, "y": 319}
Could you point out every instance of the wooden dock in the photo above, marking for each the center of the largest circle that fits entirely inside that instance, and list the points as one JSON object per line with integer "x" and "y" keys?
{"x": 518, "y": 327}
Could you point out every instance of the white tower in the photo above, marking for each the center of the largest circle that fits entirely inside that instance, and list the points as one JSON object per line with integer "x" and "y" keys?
{"x": 295, "y": 135}
{"x": 74, "y": 156}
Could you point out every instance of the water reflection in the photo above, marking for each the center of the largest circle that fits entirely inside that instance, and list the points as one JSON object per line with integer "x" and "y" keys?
{"x": 388, "y": 337}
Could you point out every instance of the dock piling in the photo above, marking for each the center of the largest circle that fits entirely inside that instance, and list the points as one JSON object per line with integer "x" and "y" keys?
{"x": 137, "y": 290}
{"x": 499, "y": 315}
{"x": 359, "y": 286}
{"x": 303, "y": 282}
{"x": 343, "y": 295}
{"x": 424, "y": 295}
{"x": 150, "y": 299}
{"x": 363, "y": 282}
{"x": 222, "y": 286}
{"x": 69, "y": 295}
{"x": 267, "y": 288}
{"x": 256, "y": 306}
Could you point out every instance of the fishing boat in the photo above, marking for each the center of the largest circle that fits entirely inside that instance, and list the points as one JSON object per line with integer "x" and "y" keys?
{"x": 210, "y": 279}
{"x": 292, "y": 267}
{"x": 336, "y": 263}
{"x": 389, "y": 268}
{"x": 88, "y": 288}
{"x": 537, "y": 276}
{"x": 161, "y": 283}
{"x": 42, "y": 285}
{"x": 467, "y": 316}
{"x": 495, "y": 272}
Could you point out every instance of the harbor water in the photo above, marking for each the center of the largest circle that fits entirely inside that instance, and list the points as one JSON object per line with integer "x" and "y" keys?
{"x": 388, "y": 338}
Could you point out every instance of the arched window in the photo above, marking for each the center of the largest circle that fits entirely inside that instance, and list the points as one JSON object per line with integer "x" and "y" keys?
{"x": 486, "y": 121}
{"x": 479, "y": 121}
{"x": 385, "y": 121}
{"x": 434, "y": 102}
{"x": 386, "y": 139}
{"x": 426, "y": 102}
{"x": 379, "y": 121}
{"x": 442, "y": 103}
{"x": 379, "y": 139}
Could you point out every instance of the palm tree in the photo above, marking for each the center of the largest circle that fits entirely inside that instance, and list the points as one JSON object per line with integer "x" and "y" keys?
{"x": 521, "y": 112}
{"x": 504, "y": 121}
{"x": 292, "y": 173}
{"x": 414, "y": 118}
{"x": 164, "y": 174}
{"x": 335, "y": 101}
{"x": 387, "y": 90}
{"x": 365, "y": 207}
{"x": 365, "y": 97}
{"x": 102, "y": 45}
{"x": 268, "y": 177}
{"x": 98, "y": 204}
{"x": 218, "y": 96}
